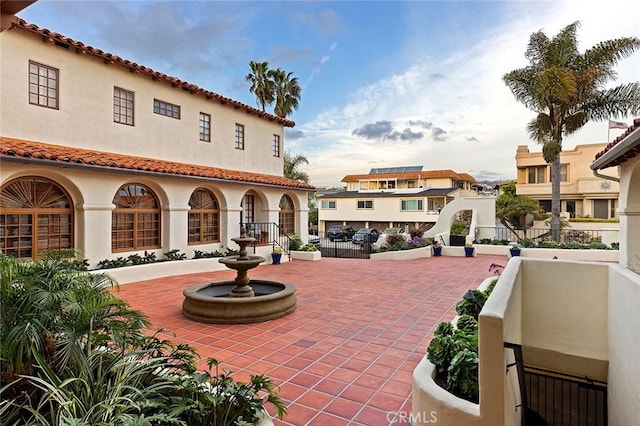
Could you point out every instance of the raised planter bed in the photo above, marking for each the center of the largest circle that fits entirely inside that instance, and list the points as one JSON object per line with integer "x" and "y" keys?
{"x": 402, "y": 254}
{"x": 306, "y": 255}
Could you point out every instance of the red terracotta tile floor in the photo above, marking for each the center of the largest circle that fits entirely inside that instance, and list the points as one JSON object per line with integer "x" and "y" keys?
{"x": 347, "y": 354}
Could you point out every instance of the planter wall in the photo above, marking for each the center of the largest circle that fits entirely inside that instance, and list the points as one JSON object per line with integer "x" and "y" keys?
{"x": 306, "y": 255}
{"x": 402, "y": 254}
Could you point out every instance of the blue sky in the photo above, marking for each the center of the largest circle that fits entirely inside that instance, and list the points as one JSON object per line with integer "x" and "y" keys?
{"x": 384, "y": 83}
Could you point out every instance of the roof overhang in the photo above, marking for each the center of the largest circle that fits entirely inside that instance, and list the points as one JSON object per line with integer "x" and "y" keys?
{"x": 624, "y": 150}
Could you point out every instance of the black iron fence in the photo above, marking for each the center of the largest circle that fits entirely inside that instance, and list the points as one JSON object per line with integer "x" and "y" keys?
{"x": 565, "y": 400}
{"x": 268, "y": 233}
{"x": 341, "y": 247}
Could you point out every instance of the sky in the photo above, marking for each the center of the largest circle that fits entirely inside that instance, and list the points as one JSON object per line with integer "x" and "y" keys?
{"x": 384, "y": 83}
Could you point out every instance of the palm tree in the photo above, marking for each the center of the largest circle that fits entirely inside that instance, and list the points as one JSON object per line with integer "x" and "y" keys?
{"x": 291, "y": 167}
{"x": 286, "y": 91}
{"x": 566, "y": 90}
{"x": 261, "y": 83}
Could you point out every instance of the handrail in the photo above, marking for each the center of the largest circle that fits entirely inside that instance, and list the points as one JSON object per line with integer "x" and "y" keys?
{"x": 268, "y": 233}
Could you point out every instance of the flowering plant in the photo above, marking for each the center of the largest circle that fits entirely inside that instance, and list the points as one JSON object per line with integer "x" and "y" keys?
{"x": 277, "y": 250}
{"x": 468, "y": 245}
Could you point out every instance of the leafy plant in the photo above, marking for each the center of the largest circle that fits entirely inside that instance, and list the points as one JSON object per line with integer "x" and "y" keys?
{"x": 598, "y": 245}
{"x": 175, "y": 255}
{"x": 309, "y": 247}
{"x": 458, "y": 228}
{"x": 471, "y": 303}
{"x": 295, "y": 243}
{"x": 118, "y": 262}
{"x": 467, "y": 323}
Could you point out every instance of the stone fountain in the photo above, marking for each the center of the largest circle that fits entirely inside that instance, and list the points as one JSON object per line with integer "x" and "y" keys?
{"x": 242, "y": 300}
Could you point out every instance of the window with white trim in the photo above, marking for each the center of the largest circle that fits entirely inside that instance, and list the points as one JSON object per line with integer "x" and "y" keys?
{"x": 411, "y": 205}
{"x": 328, "y": 204}
{"x": 365, "y": 204}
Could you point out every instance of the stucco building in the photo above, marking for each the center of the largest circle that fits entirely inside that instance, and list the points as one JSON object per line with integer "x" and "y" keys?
{"x": 113, "y": 158}
{"x": 582, "y": 193}
{"x": 392, "y": 197}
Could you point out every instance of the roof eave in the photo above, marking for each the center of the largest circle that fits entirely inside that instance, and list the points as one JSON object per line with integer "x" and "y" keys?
{"x": 616, "y": 155}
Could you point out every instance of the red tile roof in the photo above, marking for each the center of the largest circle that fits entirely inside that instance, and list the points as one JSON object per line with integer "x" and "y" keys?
{"x": 52, "y": 37}
{"x": 58, "y": 154}
{"x": 427, "y": 174}
{"x": 628, "y": 154}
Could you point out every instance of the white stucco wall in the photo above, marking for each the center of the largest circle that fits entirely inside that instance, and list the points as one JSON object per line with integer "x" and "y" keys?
{"x": 85, "y": 115}
{"x": 92, "y": 192}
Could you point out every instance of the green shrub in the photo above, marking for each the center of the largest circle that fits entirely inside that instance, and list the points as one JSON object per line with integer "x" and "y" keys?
{"x": 615, "y": 246}
{"x": 527, "y": 242}
{"x": 295, "y": 243}
{"x": 491, "y": 286}
{"x": 598, "y": 245}
{"x": 573, "y": 245}
{"x": 175, "y": 255}
{"x": 467, "y": 323}
{"x": 309, "y": 247}
{"x": 593, "y": 220}
{"x": 457, "y": 373}
{"x": 471, "y": 303}
{"x": 458, "y": 228}
{"x": 548, "y": 244}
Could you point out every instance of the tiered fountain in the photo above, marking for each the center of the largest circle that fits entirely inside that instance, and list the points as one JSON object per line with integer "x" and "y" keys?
{"x": 243, "y": 300}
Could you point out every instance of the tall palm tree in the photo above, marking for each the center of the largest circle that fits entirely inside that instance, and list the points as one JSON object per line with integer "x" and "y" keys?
{"x": 261, "y": 83}
{"x": 291, "y": 165}
{"x": 287, "y": 92}
{"x": 565, "y": 88}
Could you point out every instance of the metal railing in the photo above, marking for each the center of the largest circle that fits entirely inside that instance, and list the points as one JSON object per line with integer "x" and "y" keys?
{"x": 268, "y": 233}
{"x": 584, "y": 236}
{"x": 566, "y": 401}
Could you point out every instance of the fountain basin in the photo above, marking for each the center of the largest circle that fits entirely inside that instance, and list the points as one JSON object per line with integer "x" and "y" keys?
{"x": 211, "y": 302}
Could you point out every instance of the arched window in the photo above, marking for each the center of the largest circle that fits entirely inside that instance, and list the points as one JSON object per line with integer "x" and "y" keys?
{"x": 204, "y": 218}
{"x": 36, "y": 216}
{"x": 287, "y": 215}
{"x": 135, "y": 222}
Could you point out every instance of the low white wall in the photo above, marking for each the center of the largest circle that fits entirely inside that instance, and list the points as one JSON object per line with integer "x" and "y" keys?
{"x": 306, "y": 255}
{"x": 623, "y": 395}
{"x": 402, "y": 254}
{"x": 129, "y": 274}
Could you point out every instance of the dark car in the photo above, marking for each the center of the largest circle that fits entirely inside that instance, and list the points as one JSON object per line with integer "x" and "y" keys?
{"x": 365, "y": 235}
{"x": 340, "y": 232}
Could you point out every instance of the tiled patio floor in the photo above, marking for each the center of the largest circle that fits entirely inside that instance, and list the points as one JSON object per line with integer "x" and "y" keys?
{"x": 347, "y": 355}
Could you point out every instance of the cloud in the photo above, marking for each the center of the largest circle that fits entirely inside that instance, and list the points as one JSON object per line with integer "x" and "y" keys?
{"x": 377, "y": 130}
{"x": 420, "y": 123}
{"x": 293, "y": 134}
{"x": 472, "y": 139}
{"x": 316, "y": 70}
{"x": 439, "y": 134}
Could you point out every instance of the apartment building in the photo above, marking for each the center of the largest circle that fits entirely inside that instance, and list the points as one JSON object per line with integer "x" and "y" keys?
{"x": 113, "y": 158}
{"x": 582, "y": 193}
{"x": 392, "y": 197}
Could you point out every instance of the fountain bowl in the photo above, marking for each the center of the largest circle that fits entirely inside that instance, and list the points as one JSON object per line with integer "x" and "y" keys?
{"x": 211, "y": 302}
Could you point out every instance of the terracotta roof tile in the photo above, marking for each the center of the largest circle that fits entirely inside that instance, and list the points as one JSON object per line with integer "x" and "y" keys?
{"x": 426, "y": 174}
{"x": 610, "y": 145}
{"x": 80, "y": 47}
{"x": 10, "y": 147}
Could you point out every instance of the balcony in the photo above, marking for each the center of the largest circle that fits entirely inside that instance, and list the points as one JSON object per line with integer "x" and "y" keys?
{"x": 575, "y": 319}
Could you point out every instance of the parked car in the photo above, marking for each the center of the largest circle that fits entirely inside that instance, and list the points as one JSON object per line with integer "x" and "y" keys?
{"x": 315, "y": 240}
{"x": 365, "y": 235}
{"x": 340, "y": 232}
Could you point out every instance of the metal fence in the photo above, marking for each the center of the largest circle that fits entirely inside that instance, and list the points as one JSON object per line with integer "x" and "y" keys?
{"x": 566, "y": 401}
{"x": 584, "y": 236}
{"x": 342, "y": 249}
{"x": 268, "y": 233}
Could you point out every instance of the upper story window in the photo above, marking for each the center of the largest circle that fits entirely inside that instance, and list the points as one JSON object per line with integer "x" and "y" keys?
{"x": 536, "y": 174}
{"x": 328, "y": 204}
{"x": 239, "y": 136}
{"x": 387, "y": 184}
{"x": 412, "y": 184}
{"x": 122, "y": 106}
{"x": 43, "y": 85}
{"x": 564, "y": 173}
{"x": 205, "y": 127}
{"x": 276, "y": 145}
{"x": 166, "y": 109}
{"x": 365, "y": 204}
{"x": 411, "y": 205}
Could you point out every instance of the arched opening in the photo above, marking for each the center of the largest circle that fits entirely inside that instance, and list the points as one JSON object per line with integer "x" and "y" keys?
{"x": 135, "y": 222}
{"x": 286, "y": 217}
{"x": 36, "y": 216}
{"x": 204, "y": 218}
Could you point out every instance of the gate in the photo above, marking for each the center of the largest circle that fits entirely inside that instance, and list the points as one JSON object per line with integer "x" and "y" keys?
{"x": 566, "y": 401}
{"x": 342, "y": 249}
